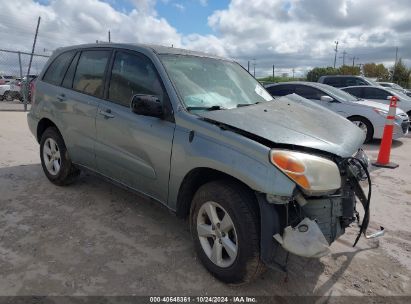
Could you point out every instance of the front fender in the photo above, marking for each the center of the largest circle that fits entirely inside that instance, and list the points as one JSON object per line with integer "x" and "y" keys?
{"x": 203, "y": 151}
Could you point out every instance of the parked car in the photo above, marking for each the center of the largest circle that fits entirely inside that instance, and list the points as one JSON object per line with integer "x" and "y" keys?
{"x": 395, "y": 87}
{"x": 11, "y": 90}
{"x": 200, "y": 135}
{"x": 340, "y": 81}
{"x": 369, "y": 116}
{"x": 381, "y": 95}
{"x": 4, "y": 79}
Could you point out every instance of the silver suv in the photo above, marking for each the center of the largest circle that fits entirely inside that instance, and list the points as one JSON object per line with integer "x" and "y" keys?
{"x": 258, "y": 178}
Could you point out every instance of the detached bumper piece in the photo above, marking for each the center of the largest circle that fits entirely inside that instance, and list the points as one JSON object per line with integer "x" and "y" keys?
{"x": 306, "y": 240}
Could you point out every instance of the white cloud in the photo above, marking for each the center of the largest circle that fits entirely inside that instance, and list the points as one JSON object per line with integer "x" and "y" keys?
{"x": 179, "y": 7}
{"x": 288, "y": 33}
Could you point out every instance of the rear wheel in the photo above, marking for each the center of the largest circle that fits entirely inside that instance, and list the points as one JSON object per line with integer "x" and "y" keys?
{"x": 55, "y": 159}
{"x": 225, "y": 228}
{"x": 365, "y": 125}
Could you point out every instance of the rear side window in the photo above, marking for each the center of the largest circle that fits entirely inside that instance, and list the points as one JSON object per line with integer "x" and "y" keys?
{"x": 374, "y": 93}
{"x": 353, "y": 81}
{"x": 308, "y": 92}
{"x": 281, "y": 90}
{"x": 57, "y": 68}
{"x": 89, "y": 75}
{"x": 133, "y": 74}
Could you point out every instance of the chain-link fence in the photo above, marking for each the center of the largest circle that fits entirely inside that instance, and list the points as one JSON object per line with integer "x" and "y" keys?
{"x": 15, "y": 84}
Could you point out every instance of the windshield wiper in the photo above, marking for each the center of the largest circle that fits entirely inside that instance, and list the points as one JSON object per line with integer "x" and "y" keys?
{"x": 247, "y": 104}
{"x": 212, "y": 108}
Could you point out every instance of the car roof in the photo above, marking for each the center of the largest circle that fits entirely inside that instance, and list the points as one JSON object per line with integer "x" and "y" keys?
{"x": 341, "y": 76}
{"x": 366, "y": 86}
{"x": 158, "y": 49}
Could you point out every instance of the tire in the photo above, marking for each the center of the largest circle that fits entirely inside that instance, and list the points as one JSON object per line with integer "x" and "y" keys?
{"x": 227, "y": 198}
{"x": 365, "y": 125}
{"x": 1, "y": 97}
{"x": 55, "y": 159}
{"x": 8, "y": 96}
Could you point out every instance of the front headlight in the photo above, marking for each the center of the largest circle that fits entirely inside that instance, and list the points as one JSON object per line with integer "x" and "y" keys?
{"x": 384, "y": 114}
{"x": 312, "y": 173}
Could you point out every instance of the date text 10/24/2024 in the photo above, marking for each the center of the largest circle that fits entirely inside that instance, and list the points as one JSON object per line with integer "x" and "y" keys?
{"x": 203, "y": 299}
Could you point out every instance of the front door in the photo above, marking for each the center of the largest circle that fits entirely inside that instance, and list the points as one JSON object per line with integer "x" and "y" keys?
{"x": 134, "y": 149}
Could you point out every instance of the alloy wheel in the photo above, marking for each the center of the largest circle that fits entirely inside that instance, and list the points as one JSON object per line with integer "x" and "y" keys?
{"x": 51, "y": 156}
{"x": 217, "y": 234}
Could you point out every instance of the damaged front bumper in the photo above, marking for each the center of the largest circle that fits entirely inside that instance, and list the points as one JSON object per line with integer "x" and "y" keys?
{"x": 306, "y": 226}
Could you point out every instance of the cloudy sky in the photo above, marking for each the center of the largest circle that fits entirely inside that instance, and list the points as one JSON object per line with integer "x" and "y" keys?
{"x": 291, "y": 34}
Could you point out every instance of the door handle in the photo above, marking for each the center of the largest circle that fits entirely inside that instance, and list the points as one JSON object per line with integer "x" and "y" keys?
{"x": 106, "y": 113}
{"x": 61, "y": 97}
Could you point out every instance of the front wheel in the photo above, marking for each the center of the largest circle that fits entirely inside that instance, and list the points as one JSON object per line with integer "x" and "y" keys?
{"x": 55, "y": 159}
{"x": 365, "y": 125}
{"x": 8, "y": 96}
{"x": 225, "y": 227}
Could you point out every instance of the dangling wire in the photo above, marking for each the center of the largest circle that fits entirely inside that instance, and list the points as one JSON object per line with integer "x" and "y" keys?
{"x": 365, "y": 221}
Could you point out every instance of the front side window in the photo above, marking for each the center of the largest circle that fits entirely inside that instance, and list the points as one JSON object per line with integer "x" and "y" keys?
{"x": 281, "y": 90}
{"x": 354, "y": 91}
{"x": 203, "y": 82}
{"x": 90, "y": 72}
{"x": 332, "y": 81}
{"x": 133, "y": 74}
{"x": 308, "y": 92}
{"x": 57, "y": 68}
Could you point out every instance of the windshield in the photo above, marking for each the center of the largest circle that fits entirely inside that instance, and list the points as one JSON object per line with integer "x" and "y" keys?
{"x": 339, "y": 94}
{"x": 212, "y": 84}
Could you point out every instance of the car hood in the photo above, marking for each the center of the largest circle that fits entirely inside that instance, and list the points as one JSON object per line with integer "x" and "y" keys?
{"x": 293, "y": 120}
{"x": 377, "y": 105}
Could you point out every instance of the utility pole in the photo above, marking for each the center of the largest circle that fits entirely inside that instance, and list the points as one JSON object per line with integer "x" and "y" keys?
{"x": 248, "y": 66}
{"x": 293, "y": 73}
{"x": 395, "y": 63}
{"x": 273, "y": 72}
{"x": 343, "y": 57}
{"x": 109, "y": 36}
{"x": 31, "y": 60}
{"x": 353, "y": 60}
{"x": 254, "y": 64}
{"x": 336, "y": 51}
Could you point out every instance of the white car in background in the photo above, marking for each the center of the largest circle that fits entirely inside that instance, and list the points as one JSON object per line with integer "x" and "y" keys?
{"x": 369, "y": 116}
{"x": 381, "y": 95}
{"x": 396, "y": 87}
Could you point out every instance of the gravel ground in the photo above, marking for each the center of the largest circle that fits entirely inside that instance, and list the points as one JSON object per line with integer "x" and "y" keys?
{"x": 93, "y": 238}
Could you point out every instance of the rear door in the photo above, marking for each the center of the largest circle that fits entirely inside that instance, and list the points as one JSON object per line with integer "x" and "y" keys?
{"x": 134, "y": 149}
{"x": 77, "y": 102}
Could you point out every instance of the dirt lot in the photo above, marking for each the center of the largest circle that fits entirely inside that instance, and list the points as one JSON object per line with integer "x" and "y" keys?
{"x": 93, "y": 238}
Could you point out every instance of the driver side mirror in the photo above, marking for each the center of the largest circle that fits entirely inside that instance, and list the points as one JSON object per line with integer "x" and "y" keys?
{"x": 327, "y": 98}
{"x": 147, "y": 105}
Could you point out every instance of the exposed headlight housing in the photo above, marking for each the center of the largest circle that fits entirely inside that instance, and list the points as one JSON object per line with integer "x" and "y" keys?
{"x": 314, "y": 174}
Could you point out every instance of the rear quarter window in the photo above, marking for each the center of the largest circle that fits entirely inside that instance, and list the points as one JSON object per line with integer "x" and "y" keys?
{"x": 55, "y": 72}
